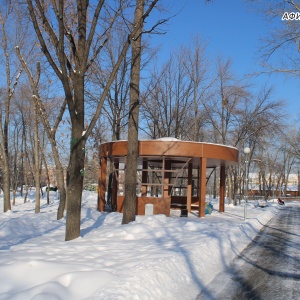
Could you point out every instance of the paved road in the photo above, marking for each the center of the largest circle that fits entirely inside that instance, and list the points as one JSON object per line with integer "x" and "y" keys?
{"x": 269, "y": 268}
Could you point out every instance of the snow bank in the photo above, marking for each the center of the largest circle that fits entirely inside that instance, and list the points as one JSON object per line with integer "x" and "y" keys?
{"x": 155, "y": 257}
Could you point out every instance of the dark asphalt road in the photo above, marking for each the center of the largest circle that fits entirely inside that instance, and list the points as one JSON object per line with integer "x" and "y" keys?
{"x": 269, "y": 268}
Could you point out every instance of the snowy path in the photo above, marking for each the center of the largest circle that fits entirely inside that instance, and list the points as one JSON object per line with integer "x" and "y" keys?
{"x": 269, "y": 267}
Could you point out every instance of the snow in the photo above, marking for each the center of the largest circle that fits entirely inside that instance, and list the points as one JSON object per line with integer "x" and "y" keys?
{"x": 168, "y": 139}
{"x": 155, "y": 257}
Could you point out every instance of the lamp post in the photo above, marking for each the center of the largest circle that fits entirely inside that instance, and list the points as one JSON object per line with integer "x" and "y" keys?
{"x": 246, "y": 151}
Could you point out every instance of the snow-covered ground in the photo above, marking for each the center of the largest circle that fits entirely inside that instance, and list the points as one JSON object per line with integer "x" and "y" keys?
{"x": 155, "y": 257}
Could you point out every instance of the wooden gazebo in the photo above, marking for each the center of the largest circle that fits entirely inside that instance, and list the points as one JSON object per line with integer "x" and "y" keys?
{"x": 171, "y": 173}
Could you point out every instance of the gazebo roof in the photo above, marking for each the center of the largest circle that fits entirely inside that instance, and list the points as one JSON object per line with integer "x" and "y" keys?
{"x": 179, "y": 152}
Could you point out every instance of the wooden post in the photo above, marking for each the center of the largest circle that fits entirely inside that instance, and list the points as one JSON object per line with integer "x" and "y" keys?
{"x": 189, "y": 187}
{"x": 144, "y": 178}
{"x": 115, "y": 186}
{"x": 222, "y": 189}
{"x": 202, "y": 187}
{"x": 102, "y": 183}
{"x": 166, "y": 178}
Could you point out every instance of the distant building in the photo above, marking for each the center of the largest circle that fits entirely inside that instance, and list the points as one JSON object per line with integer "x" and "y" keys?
{"x": 273, "y": 187}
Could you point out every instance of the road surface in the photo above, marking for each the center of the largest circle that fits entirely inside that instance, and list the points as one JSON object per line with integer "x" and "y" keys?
{"x": 269, "y": 268}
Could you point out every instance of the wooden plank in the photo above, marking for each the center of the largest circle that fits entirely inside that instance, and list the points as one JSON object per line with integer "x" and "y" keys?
{"x": 102, "y": 184}
{"x": 189, "y": 188}
{"x": 222, "y": 189}
{"x": 144, "y": 178}
{"x": 202, "y": 187}
{"x": 160, "y": 205}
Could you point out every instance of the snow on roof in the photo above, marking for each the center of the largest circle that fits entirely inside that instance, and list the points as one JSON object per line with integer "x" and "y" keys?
{"x": 168, "y": 139}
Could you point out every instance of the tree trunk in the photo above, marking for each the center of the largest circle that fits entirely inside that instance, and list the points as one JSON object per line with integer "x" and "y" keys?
{"x": 48, "y": 192}
{"x": 235, "y": 186}
{"x": 215, "y": 185}
{"x": 230, "y": 191}
{"x": 75, "y": 171}
{"x": 14, "y": 196}
{"x": 75, "y": 175}
{"x": 132, "y": 148}
{"x": 6, "y": 186}
{"x": 61, "y": 188}
{"x": 37, "y": 176}
{"x": 26, "y": 193}
{"x": 26, "y": 181}
{"x": 47, "y": 175}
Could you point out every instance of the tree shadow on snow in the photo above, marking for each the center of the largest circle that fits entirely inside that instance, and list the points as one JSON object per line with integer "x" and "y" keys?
{"x": 96, "y": 224}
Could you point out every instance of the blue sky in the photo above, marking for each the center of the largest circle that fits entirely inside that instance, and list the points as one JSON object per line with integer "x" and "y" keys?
{"x": 231, "y": 30}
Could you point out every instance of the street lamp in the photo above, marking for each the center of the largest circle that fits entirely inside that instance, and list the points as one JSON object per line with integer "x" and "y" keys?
{"x": 246, "y": 151}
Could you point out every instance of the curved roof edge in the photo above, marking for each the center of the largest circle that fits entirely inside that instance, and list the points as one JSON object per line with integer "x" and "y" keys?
{"x": 216, "y": 154}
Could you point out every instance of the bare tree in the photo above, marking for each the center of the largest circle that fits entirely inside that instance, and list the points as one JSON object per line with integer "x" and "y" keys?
{"x": 293, "y": 142}
{"x": 37, "y": 174}
{"x": 133, "y": 123}
{"x": 70, "y": 43}
{"x": 239, "y": 117}
{"x": 115, "y": 108}
{"x": 196, "y": 64}
{"x": 12, "y": 78}
{"x": 39, "y": 107}
{"x": 22, "y": 107}
{"x": 167, "y": 101}
{"x": 283, "y": 39}
{"x": 15, "y": 154}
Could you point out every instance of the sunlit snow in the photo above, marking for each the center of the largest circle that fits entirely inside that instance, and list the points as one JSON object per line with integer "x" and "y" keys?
{"x": 155, "y": 257}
